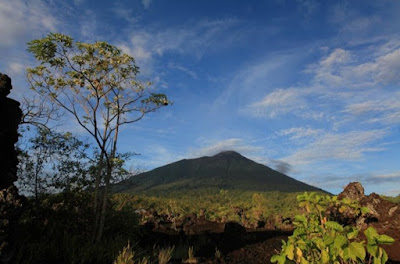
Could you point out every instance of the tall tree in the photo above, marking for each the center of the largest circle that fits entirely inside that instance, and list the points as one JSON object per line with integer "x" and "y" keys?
{"x": 97, "y": 84}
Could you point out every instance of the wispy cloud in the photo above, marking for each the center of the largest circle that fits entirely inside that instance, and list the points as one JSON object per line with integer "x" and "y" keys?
{"x": 183, "y": 69}
{"x": 20, "y": 20}
{"x": 377, "y": 179}
{"x": 295, "y": 133}
{"x": 383, "y": 108}
{"x": 124, "y": 12}
{"x": 278, "y": 102}
{"x": 348, "y": 146}
{"x": 190, "y": 39}
{"x": 146, "y": 3}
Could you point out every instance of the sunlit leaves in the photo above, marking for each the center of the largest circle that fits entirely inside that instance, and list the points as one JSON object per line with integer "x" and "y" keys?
{"x": 318, "y": 239}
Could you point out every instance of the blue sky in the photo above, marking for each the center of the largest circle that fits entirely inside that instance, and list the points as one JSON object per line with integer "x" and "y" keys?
{"x": 307, "y": 87}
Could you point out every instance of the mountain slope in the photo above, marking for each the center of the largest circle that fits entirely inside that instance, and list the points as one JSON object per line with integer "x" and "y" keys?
{"x": 226, "y": 170}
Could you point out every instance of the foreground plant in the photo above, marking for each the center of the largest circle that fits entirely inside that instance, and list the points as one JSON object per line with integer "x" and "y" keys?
{"x": 126, "y": 256}
{"x": 165, "y": 255}
{"x": 317, "y": 239}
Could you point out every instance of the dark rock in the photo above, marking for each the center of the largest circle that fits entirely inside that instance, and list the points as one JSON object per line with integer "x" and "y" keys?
{"x": 10, "y": 117}
{"x": 10, "y": 201}
{"x": 234, "y": 228}
{"x": 233, "y": 237}
{"x": 383, "y": 215}
{"x": 353, "y": 191}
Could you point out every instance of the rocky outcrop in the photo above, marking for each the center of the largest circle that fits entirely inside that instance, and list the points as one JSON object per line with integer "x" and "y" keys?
{"x": 10, "y": 201}
{"x": 10, "y": 117}
{"x": 353, "y": 191}
{"x": 383, "y": 215}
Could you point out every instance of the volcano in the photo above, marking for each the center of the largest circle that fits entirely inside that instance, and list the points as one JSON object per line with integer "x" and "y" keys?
{"x": 226, "y": 170}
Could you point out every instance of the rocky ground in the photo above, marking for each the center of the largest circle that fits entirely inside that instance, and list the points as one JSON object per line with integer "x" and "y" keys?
{"x": 252, "y": 246}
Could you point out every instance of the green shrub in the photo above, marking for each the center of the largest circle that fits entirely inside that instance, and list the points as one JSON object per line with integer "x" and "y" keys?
{"x": 318, "y": 239}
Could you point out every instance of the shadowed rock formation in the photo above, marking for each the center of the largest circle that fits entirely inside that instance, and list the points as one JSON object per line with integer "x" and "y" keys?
{"x": 10, "y": 117}
{"x": 10, "y": 202}
{"x": 383, "y": 215}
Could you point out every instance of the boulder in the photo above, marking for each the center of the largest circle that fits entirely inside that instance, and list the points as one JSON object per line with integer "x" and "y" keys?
{"x": 10, "y": 201}
{"x": 353, "y": 191}
{"x": 383, "y": 215}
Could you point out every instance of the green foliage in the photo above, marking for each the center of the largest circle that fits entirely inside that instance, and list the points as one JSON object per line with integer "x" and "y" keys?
{"x": 216, "y": 204}
{"x": 319, "y": 239}
{"x": 53, "y": 162}
{"x": 392, "y": 199}
{"x": 58, "y": 229}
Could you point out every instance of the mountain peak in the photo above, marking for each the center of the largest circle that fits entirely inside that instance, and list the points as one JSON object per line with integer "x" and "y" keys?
{"x": 228, "y": 154}
{"x": 225, "y": 170}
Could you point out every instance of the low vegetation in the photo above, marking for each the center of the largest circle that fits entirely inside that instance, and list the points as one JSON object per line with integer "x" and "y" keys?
{"x": 319, "y": 239}
{"x": 218, "y": 205}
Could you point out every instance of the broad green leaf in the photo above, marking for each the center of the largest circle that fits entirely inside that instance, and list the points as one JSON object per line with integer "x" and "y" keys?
{"x": 324, "y": 256}
{"x": 372, "y": 249}
{"x": 358, "y": 249}
{"x": 364, "y": 210}
{"x": 334, "y": 225}
{"x": 300, "y": 218}
{"x": 303, "y": 261}
{"x": 385, "y": 239}
{"x": 371, "y": 234}
{"x": 384, "y": 256}
{"x": 353, "y": 234}
{"x": 377, "y": 261}
{"x": 317, "y": 240}
{"x": 347, "y": 254}
{"x": 278, "y": 258}
{"x": 328, "y": 240}
{"x": 340, "y": 241}
{"x": 289, "y": 251}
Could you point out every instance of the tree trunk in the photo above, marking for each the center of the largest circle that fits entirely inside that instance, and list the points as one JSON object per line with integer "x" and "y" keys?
{"x": 104, "y": 205}
{"x": 110, "y": 166}
{"x": 96, "y": 211}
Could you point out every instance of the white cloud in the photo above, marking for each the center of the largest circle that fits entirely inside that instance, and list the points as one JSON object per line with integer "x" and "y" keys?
{"x": 183, "y": 69}
{"x": 124, "y": 12}
{"x": 300, "y": 132}
{"x": 347, "y": 146}
{"x": 280, "y": 97}
{"x": 278, "y": 102}
{"x": 146, "y": 3}
{"x": 383, "y": 108}
{"x": 190, "y": 39}
{"x": 21, "y": 20}
{"x": 370, "y": 180}
{"x": 387, "y": 67}
{"x": 352, "y": 69}
{"x": 16, "y": 68}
